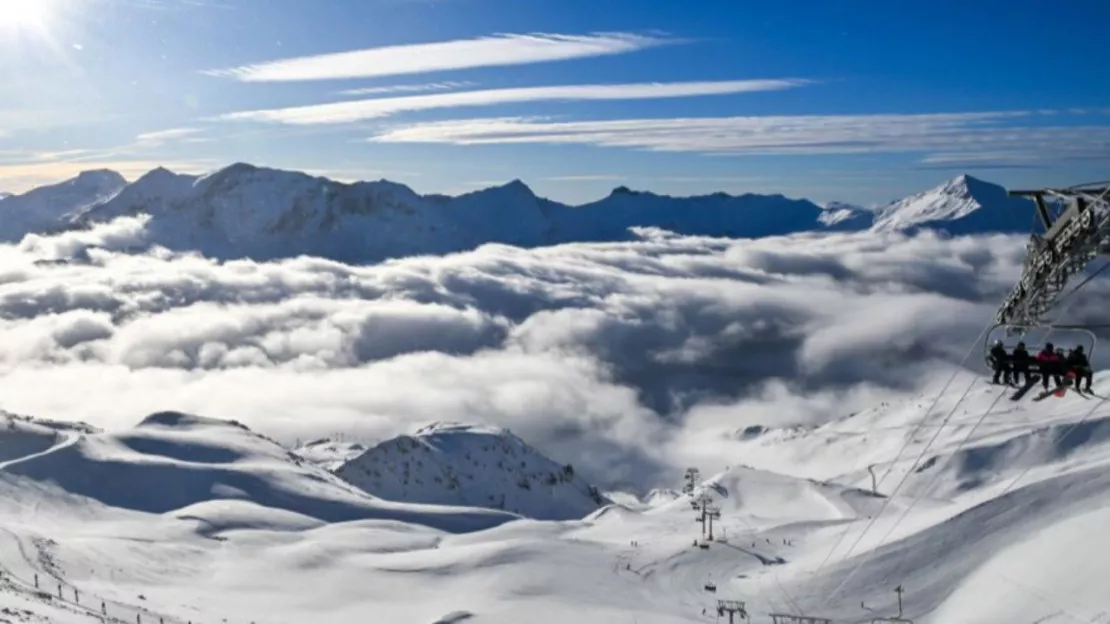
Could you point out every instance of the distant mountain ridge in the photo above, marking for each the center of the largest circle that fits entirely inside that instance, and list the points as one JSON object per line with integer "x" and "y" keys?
{"x": 262, "y": 213}
{"x": 48, "y": 208}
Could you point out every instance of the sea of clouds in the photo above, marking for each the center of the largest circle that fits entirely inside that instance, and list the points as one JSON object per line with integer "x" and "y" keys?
{"x": 631, "y": 360}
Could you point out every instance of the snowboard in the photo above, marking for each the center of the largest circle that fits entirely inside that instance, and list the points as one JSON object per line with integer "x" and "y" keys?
{"x": 1023, "y": 390}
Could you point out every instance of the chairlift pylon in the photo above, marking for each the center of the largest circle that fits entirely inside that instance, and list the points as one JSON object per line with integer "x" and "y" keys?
{"x": 1074, "y": 230}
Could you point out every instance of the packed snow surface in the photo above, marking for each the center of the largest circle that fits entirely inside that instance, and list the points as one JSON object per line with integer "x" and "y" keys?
{"x": 188, "y": 518}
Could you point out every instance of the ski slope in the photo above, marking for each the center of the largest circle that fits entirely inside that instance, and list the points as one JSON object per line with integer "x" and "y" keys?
{"x": 193, "y": 519}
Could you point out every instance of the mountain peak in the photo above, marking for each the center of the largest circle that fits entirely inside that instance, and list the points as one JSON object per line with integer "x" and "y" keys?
{"x": 451, "y": 463}
{"x": 514, "y": 188}
{"x": 623, "y": 190}
{"x": 964, "y": 204}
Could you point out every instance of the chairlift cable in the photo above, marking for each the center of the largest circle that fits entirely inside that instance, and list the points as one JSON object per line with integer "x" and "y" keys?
{"x": 1004, "y": 319}
{"x": 909, "y": 471}
{"x": 909, "y": 440}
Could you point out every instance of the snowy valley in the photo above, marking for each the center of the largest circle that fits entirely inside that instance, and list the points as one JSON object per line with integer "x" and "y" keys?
{"x": 230, "y": 411}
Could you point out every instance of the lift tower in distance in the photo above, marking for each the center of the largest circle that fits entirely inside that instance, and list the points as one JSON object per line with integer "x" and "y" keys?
{"x": 703, "y": 515}
{"x": 897, "y": 619}
{"x": 693, "y": 476}
{"x": 782, "y": 618}
{"x": 712, "y": 513}
{"x": 733, "y": 608}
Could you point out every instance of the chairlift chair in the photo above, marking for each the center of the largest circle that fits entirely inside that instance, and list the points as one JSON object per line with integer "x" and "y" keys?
{"x": 1036, "y": 337}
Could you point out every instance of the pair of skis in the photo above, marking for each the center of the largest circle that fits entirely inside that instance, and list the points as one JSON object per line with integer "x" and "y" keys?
{"x": 1069, "y": 383}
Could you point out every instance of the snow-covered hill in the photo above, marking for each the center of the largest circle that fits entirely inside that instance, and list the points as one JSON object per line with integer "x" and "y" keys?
{"x": 51, "y": 207}
{"x": 187, "y": 518}
{"x": 454, "y": 464}
{"x": 963, "y": 205}
{"x": 839, "y": 216}
{"x": 771, "y": 498}
{"x": 184, "y": 465}
{"x": 329, "y": 454}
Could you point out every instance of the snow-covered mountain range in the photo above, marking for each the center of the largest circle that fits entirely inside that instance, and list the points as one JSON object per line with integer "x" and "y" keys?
{"x": 260, "y": 213}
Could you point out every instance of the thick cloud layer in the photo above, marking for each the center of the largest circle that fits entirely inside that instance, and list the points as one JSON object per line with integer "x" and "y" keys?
{"x": 627, "y": 359}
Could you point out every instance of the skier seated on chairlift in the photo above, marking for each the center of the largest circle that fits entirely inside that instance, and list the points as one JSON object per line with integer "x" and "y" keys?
{"x": 1000, "y": 361}
{"x": 1078, "y": 364}
{"x": 1019, "y": 363}
{"x": 1051, "y": 364}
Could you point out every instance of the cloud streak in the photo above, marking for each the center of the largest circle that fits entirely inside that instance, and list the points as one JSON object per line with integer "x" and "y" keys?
{"x": 161, "y": 137}
{"x": 345, "y": 112}
{"x": 433, "y": 86}
{"x": 493, "y": 51}
{"x": 948, "y": 133}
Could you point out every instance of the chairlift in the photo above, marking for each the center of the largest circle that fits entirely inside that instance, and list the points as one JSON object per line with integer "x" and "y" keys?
{"x": 710, "y": 587}
{"x": 1036, "y": 337}
{"x": 704, "y": 545}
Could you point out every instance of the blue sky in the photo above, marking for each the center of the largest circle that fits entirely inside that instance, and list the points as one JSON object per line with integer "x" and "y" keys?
{"x": 859, "y": 101}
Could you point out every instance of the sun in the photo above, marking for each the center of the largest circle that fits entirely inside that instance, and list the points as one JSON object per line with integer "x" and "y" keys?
{"x": 18, "y": 15}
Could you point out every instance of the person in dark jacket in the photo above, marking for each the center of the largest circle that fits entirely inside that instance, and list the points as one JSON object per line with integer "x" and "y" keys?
{"x": 1078, "y": 364}
{"x": 1050, "y": 364}
{"x": 1000, "y": 361}
{"x": 1019, "y": 363}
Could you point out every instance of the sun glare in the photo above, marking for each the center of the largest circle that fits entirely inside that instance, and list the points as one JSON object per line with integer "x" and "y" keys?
{"x": 16, "y": 15}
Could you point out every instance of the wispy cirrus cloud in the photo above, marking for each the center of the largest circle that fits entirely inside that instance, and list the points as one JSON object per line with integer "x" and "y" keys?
{"x": 950, "y": 133}
{"x": 160, "y": 137}
{"x": 494, "y": 51}
{"x": 415, "y": 88}
{"x": 344, "y": 112}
